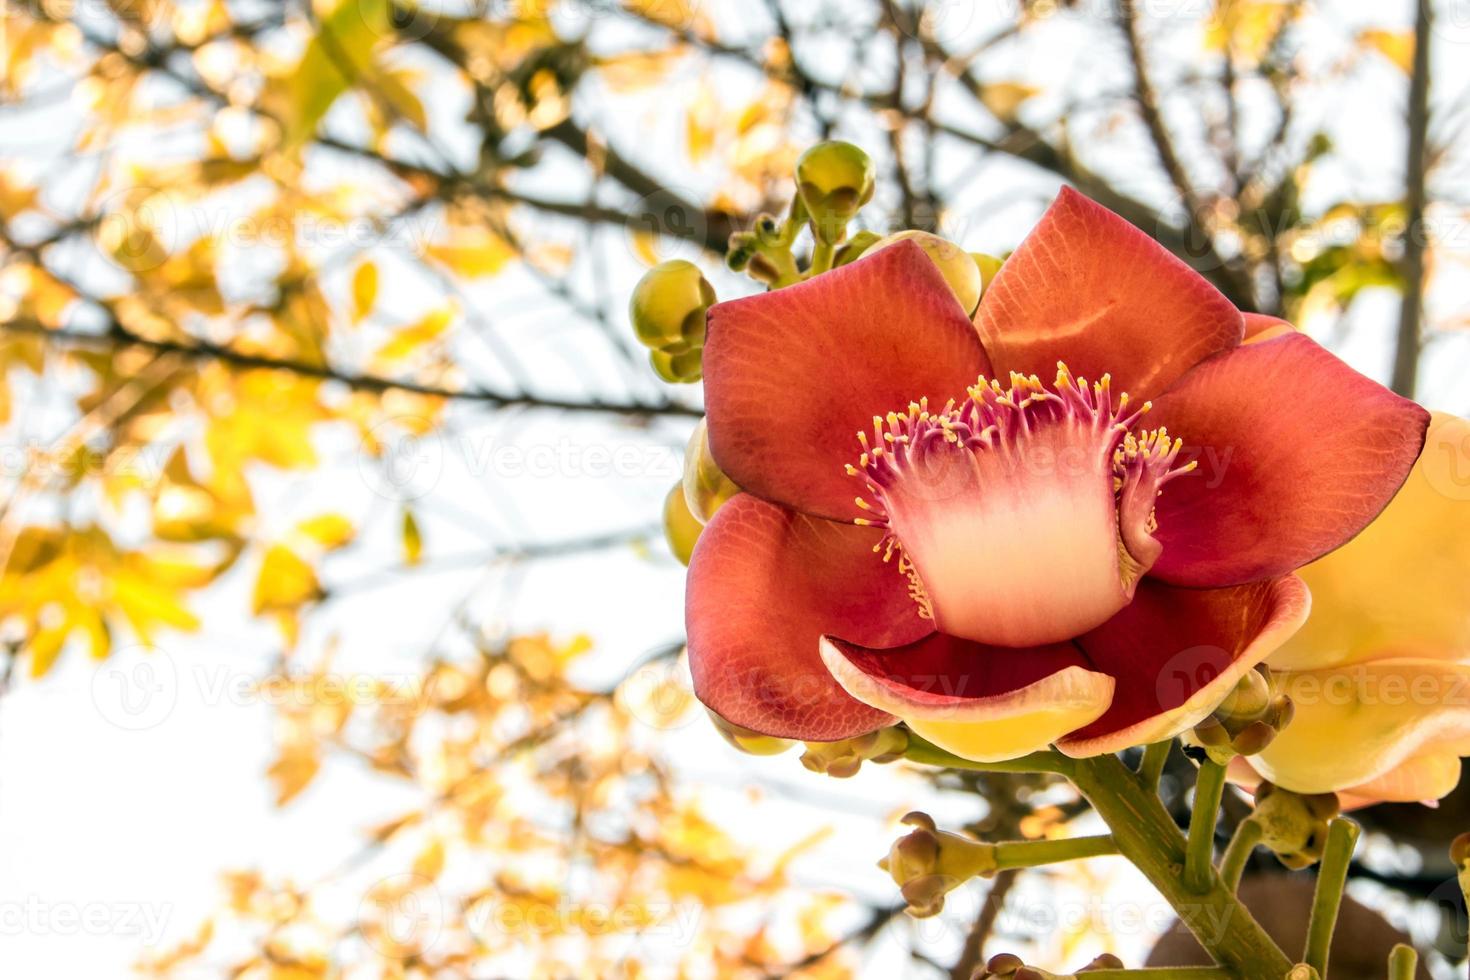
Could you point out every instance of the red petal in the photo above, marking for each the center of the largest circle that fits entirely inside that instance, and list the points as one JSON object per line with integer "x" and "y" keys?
{"x": 1297, "y": 452}
{"x": 1090, "y": 289}
{"x": 979, "y": 701}
{"x": 790, "y": 376}
{"x": 765, "y": 583}
{"x": 1176, "y": 653}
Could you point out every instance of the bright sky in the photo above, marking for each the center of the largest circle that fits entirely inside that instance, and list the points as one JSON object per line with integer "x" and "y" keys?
{"x": 125, "y": 791}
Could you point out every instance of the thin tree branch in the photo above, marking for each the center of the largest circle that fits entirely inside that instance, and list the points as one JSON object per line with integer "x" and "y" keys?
{"x": 201, "y": 350}
{"x": 1411, "y": 313}
{"x": 1147, "y": 97}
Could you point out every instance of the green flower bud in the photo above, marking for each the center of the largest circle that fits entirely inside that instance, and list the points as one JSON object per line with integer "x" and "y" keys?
{"x": 1294, "y": 825}
{"x": 930, "y": 863}
{"x": 1248, "y": 700}
{"x": 953, "y": 262}
{"x": 834, "y": 179}
{"x": 1246, "y": 721}
{"x": 669, "y": 304}
{"x": 706, "y": 487}
{"x": 747, "y": 741}
{"x": 855, "y": 247}
{"x": 681, "y": 530}
{"x": 685, "y": 367}
{"x": 843, "y": 759}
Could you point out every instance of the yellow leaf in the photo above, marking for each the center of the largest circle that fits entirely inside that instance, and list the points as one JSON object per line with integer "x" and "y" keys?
{"x": 414, "y": 336}
{"x": 1396, "y": 46}
{"x": 1004, "y": 99}
{"x": 413, "y": 539}
{"x": 330, "y": 531}
{"x": 286, "y": 581}
{"x": 338, "y": 57}
{"x": 364, "y": 290}
{"x": 473, "y": 255}
{"x": 293, "y": 771}
{"x": 430, "y": 860}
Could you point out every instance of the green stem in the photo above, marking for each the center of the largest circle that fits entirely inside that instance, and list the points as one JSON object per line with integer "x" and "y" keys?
{"x": 1146, "y": 835}
{"x": 1034, "y": 853}
{"x": 1200, "y": 854}
{"x": 1152, "y": 765}
{"x": 932, "y": 755}
{"x": 1342, "y": 837}
{"x": 1247, "y": 835}
{"x": 1403, "y": 963}
{"x": 822, "y": 254}
{"x": 1164, "y": 973}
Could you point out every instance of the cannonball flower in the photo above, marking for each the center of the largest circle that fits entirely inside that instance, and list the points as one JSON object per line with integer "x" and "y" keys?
{"x": 1380, "y": 674}
{"x": 1072, "y": 519}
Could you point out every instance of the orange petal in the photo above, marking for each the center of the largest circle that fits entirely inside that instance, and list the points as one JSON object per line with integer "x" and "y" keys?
{"x": 764, "y": 584}
{"x": 790, "y": 376}
{"x": 1176, "y": 653}
{"x": 1088, "y": 288}
{"x": 1297, "y": 452}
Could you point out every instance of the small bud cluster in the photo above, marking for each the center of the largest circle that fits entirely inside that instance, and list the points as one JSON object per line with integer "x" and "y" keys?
{"x": 668, "y": 310}
{"x": 1247, "y": 721}
{"x": 1008, "y": 966}
{"x": 929, "y": 863}
{"x": 843, "y": 759}
{"x": 1294, "y": 825}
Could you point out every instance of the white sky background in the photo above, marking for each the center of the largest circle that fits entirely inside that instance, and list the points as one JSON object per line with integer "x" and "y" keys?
{"x": 112, "y": 836}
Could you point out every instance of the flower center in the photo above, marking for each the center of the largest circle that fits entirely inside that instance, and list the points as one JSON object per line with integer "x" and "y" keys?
{"x": 1024, "y": 515}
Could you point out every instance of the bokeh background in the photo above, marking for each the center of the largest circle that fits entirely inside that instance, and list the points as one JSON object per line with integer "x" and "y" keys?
{"x": 339, "y": 634}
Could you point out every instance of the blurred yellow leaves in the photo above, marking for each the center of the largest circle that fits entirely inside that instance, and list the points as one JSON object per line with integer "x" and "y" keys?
{"x": 1004, "y": 99}
{"x": 1246, "y": 29}
{"x": 1396, "y": 46}
{"x": 364, "y": 290}
{"x": 65, "y": 584}
{"x": 410, "y": 340}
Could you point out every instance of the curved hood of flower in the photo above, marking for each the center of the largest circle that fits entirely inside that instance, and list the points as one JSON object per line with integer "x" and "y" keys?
{"x": 1380, "y": 675}
{"x": 1071, "y": 520}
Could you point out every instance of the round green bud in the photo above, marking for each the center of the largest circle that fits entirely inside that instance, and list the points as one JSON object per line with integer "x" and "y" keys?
{"x": 855, "y": 247}
{"x": 1248, "y": 700}
{"x": 747, "y": 741}
{"x": 669, "y": 304}
{"x": 953, "y": 262}
{"x": 681, "y": 530}
{"x": 684, "y": 367}
{"x": 834, "y": 179}
{"x": 706, "y": 487}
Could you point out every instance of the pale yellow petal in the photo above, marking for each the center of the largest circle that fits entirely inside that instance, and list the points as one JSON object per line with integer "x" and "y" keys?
{"x": 1402, "y": 587}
